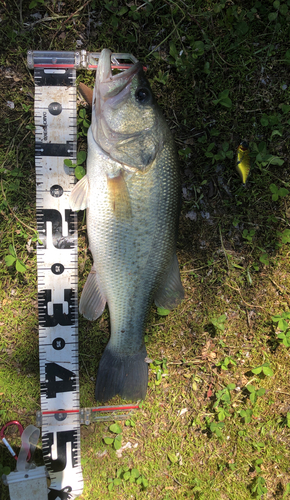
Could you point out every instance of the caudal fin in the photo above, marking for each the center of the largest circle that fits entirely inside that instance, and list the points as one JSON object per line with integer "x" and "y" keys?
{"x": 123, "y": 375}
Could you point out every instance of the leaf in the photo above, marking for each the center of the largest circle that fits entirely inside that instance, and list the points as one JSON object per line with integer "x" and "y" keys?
{"x": 172, "y": 457}
{"x": 231, "y": 387}
{"x": 226, "y": 102}
{"x": 117, "y": 444}
{"x": 108, "y": 440}
{"x": 253, "y": 397}
{"x": 135, "y": 473}
{"x": 12, "y": 251}
{"x": 69, "y": 163}
{"x": 283, "y": 9}
{"x": 276, "y": 4}
{"x": 261, "y": 392}
{"x": 80, "y": 172}
{"x": 126, "y": 476}
{"x": 162, "y": 312}
{"x": 9, "y": 259}
{"x": 81, "y": 156}
{"x": 122, "y": 11}
{"x": 115, "y": 428}
{"x": 275, "y": 132}
{"x": 111, "y": 486}
{"x": 250, "y": 388}
{"x": 272, "y": 16}
{"x": 145, "y": 482}
{"x": 268, "y": 371}
{"x": 264, "y": 121}
{"x": 172, "y": 50}
{"x": 257, "y": 370}
{"x": 117, "y": 481}
{"x": 20, "y": 266}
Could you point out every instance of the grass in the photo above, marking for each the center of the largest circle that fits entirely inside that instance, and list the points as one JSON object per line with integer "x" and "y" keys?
{"x": 220, "y": 72}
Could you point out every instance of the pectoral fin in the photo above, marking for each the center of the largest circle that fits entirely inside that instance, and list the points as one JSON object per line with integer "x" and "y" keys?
{"x": 92, "y": 303}
{"x": 119, "y": 197}
{"x": 171, "y": 292}
{"x": 87, "y": 93}
{"x": 79, "y": 196}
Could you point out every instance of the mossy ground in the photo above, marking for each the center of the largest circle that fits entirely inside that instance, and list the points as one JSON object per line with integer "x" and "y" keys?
{"x": 233, "y": 244}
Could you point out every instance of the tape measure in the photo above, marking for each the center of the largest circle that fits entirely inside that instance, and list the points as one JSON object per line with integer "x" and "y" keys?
{"x": 57, "y": 263}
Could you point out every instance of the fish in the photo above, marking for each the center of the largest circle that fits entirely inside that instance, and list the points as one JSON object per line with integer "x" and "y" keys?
{"x": 132, "y": 195}
{"x": 243, "y": 161}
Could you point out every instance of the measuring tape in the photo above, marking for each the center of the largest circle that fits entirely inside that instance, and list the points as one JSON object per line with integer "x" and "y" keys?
{"x": 57, "y": 263}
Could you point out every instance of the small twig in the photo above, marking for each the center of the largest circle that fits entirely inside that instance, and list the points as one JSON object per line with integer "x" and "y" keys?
{"x": 247, "y": 304}
{"x": 224, "y": 250}
{"x": 172, "y": 477}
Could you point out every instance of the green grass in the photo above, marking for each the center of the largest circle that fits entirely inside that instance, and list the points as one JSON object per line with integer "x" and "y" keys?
{"x": 220, "y": 72}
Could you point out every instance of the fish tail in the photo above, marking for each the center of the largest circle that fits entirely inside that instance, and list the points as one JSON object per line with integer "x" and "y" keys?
{"x": 123, "y": 375}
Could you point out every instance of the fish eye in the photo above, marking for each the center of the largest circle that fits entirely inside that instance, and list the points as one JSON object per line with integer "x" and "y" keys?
{"x": 142, "y": 95}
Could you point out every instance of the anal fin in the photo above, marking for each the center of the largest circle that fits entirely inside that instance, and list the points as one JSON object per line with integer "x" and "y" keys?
{"x": 92, "y": 303}
{"x": 170, "y": 293}
{"x": 79, "y": 196}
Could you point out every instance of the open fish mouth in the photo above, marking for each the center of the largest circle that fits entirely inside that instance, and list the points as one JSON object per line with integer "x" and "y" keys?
{"x": 110, "y": 85}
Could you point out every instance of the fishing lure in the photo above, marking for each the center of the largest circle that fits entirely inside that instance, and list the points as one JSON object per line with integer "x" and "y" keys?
{"x": 243, "y": 161}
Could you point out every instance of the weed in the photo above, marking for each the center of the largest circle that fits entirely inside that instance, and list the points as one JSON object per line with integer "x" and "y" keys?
{"x": 255, "y": 393}
{"x": 83, "y": 123}
{"x": 264, "y": 368}
{"x": 223, "y": 99}
{"x": 284, "y": 327}
{"x": 278, "y": 192}
{"x": 226, "y": 363}
{"x": 258, "y": 487}
{"x": 219, "y": 323}
{"x": 159, "y": 368}
{"x": 12, "y": 259}
{"x": 117, "y": 440}
{"x": 79, "y": 169}
{"x": 125, "y": 474}
{"x": 246, "y": 415}
{"x": 223, "y": 401}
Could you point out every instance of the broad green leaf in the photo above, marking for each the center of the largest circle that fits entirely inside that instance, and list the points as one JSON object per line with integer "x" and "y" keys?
{"x": 162, "y": 312}
{"x": 117, "y": 481}
{"x": 172, "y": 457}
{"x": 122, "y": 11}
{"x": 276, "y": 4}
{"x": 172, "y": 50}
{"x": 119, "y": 471}
{"x": 224, "y": 94}
{"x": 283, "y": 192}
{"x": 115, "y": 428}
{"x": 261, "y": 392}
{"x": 145, "y": 482}
{"x": 108, "y": 440}
{"x": 82, "y": 113}
{"x": 12, "y": 251}
{"x": 264, "y": 121}
{"x": 257, "y": 370}
{"x": 111, "y": 486}
{"x": 20, "y": 266}
{"x": 117, "y": 444}
{"x": 80, "y": 172}
{"x": 9, "y": 259}
{"x": 226, "y": 102}
{"x": 268, "y": 371}
{"x": 250, "y": 388}
{"x": 126, "y": 476}
{"x": 135, "y": 473}
{"x": 283, "y": 9}
{"x": 69, "y": 163}
{"x": 81, "y": 156}
{"x": 272, "y": 16}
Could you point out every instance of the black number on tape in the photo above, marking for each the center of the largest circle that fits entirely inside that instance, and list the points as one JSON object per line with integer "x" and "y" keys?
{"x": 58, "y": 317}
{"x": 63, "y": 438}
{"x": 63, "y": 494}
{"x": 53, "y": 386}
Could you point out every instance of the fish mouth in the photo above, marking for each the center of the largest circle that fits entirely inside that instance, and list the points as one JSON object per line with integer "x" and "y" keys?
{"x": 110, "y": 85}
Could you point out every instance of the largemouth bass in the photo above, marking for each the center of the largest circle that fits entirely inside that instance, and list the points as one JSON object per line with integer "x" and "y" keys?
{"x": 132, "y": 194}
